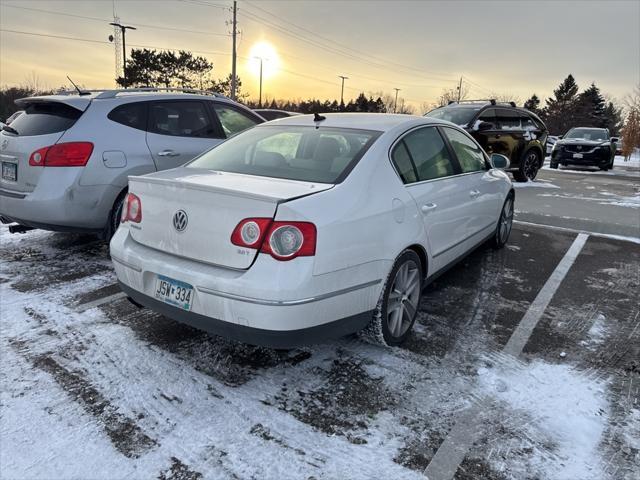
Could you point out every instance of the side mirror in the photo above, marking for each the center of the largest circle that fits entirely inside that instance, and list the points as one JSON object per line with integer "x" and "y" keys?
{"x": 499, "y": 161}
{"x": 483, "y": 126}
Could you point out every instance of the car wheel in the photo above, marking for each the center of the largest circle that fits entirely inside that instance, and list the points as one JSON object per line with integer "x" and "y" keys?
{"x": 553, "y": 165}
{"x": 114, "y": 217}
{"x": 505, "y": 223}
{"x": 397, "y": 307}
{"x": 528, "y": 167}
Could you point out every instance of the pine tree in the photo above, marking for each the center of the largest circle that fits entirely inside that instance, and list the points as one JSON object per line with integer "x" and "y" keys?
{"x": 533, "y": 104}
{"x": 591, "y": 108}
{"x": 613, "y": 118}
{"x": 561, "y": 108}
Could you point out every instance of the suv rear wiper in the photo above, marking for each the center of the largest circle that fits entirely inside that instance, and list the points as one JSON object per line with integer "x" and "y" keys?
{"x": 10, "y": 129}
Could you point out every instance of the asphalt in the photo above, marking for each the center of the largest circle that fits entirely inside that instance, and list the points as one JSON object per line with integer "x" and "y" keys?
{"x": 347, "y": 409}
{"x": 607, "y": 203}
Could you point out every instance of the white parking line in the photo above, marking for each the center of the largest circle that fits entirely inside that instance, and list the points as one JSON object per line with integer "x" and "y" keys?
{"x": 99, "y": 301}
{"x": 624, "y": 238}
{"x": 467, "y": 429}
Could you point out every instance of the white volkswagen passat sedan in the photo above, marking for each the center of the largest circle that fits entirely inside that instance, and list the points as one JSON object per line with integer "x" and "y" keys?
{"x": 311, "y": 227}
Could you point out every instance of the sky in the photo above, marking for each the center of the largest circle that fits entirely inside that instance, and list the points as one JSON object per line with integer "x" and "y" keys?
{"x": 420, "y": 47}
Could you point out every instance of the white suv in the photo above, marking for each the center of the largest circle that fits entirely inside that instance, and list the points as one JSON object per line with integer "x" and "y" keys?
{"x": 66, "y": 160}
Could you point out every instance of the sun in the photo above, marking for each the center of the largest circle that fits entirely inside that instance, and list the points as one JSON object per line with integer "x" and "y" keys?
{"x": 270, "y": 60}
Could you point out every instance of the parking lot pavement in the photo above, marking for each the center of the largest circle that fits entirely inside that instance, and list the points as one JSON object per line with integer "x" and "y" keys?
{"x": 94, "y": 387}
{"x": 603, "y": 202}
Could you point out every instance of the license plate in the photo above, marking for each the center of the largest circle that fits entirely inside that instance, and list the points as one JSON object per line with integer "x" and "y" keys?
{"x": 577, "y": 155}
{"x": 174, "y": 292}
{"x": 10, "y": 171}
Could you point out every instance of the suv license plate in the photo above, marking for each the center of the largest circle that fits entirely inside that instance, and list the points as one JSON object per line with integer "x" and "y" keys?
{"x": 577, "y": 155}
{"x": 174, "y": 292}
{"x": 10, "y": 171}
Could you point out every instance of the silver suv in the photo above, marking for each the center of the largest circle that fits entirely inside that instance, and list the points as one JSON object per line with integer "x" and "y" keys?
{"x": 66, "y": 160}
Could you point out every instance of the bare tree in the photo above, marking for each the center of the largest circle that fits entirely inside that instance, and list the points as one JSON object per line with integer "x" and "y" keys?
{"x": 631, "y": 129}
{"x": 451, "y": 95}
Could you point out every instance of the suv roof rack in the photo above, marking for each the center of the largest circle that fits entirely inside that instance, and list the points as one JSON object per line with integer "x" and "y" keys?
{"x": 113, "y": 93}
{"x": 492, "y": 101}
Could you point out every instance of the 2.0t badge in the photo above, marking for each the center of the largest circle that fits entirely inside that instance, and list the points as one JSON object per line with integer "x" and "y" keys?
{"x": 180, "y": 220}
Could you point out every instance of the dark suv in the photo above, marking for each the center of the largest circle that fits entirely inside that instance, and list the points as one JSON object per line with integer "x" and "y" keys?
{"x": 586, "y": 147}
{"x": 501, "y": 128}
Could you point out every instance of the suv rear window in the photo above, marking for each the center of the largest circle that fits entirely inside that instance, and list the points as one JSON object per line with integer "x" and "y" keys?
{"x": 45, "y": 118}
{"x": 324, "y": 155}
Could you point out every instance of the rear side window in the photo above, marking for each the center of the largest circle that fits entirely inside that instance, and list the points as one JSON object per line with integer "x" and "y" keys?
{"x": 508, "y": 119}
{"x": 527, "y": 122}
{"x": 132, "y": 115}
{"x": 233, "y": 121}
{"x": 403, "y": 163}
{"x": 323, "y": 155}
{"x": 180, "y": 119}
{"x": 469, "y": 153}
{"x": 429, "y": 154}
{"x": 46, "y": 118}
{"x": 488, "y": 116}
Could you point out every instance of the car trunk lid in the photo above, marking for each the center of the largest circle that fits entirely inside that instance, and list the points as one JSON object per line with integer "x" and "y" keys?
{"x": 214, "y": 203}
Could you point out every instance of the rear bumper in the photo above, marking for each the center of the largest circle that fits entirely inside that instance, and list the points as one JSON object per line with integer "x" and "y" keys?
{"x": 277, "y": 304}
{"x": 58, "y": 203}
{"x": 250, "y": 335}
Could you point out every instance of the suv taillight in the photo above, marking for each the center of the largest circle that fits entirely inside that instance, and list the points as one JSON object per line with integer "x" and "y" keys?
{"x": 131, "y": 209}
{"x": 282, "y": 240}
{"x": 70, "y": 154}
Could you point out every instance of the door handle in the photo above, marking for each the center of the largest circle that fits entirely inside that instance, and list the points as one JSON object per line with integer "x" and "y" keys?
{"x": 428, "y": 207}
{"x": 474, "y": 193}
{"x": 168, "y": 153}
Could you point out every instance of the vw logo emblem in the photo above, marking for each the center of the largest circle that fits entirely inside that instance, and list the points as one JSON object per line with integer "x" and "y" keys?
{"x": 180, "y": 220}
{"x": 5, "y": 142}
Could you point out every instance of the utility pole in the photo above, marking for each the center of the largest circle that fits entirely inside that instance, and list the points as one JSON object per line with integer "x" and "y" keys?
{"x": 260, "y": 97}
{"x": 459, "y": 89}
{"x": 233, "y": 51}
{"x": 395, "y": 104}
{"x": 342, "y": 90}
{"x": 123, "y": 29}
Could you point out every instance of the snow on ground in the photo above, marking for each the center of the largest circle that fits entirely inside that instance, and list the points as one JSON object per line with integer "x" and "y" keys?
{"x": 118, "y": 392}
{"x": 559, "y": 406}
{"x": 535, "y": 184}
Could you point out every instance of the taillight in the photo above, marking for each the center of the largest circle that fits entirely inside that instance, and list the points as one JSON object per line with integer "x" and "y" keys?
{"x": 70, "y": 154}
{"x": 131, "y": 209}
{"x": 250, "y": 232}
{"x": 281, "y": 240}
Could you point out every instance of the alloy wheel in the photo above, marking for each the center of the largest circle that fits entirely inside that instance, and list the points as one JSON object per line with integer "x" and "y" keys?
{"x": 531, "y": 165}
{"x": 506, "y": 221}
{"x": 403, "y": 300}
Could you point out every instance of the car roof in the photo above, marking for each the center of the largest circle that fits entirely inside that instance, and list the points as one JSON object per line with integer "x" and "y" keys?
{"x": 363, "y": 121}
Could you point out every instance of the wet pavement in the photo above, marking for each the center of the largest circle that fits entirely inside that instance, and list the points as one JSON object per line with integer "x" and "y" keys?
{"x": 111, "y": 391}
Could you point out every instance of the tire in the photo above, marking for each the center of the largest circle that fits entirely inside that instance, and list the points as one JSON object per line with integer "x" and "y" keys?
{"x": 529, "y": 167}
{"x": 397, "y": 307}
{"x": 114, "y": 216}
{"x": 553, "y": 165}
{"x": 505, "y": 223}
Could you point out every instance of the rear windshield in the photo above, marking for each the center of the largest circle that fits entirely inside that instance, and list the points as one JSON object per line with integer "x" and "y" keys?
{"x": 45, "y": 118}
{"x": 324, "y": 155}
{"x": 461, "y": 116}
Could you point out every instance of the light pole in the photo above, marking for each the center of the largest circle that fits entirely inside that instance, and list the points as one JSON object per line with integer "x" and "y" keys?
{"x": 342, "y": 89}
{"x": 123, "y": 29}
{"x": 395, "y": 104}
{"x": 260, "y": 97}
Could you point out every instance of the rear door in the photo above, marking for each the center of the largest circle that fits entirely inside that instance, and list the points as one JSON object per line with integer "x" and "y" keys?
{"x": 426, "y": 166}
{"x": 41, "y": 125}
{"x": 510, "y": 136}
{"x": 180, "y": 130}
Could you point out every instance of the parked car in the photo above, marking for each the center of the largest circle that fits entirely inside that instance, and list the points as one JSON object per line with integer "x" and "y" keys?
{"x": 551, "y": 141}
{"x": 322, "y": 227}
{"x": 584, "y": 146}
{"x": 66, "y": 160}
{"x": 272, "y": 114}
{"x": 502, "y": 128}
{"x": 13, "y": 116}
{"x": 618, "y": 144}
